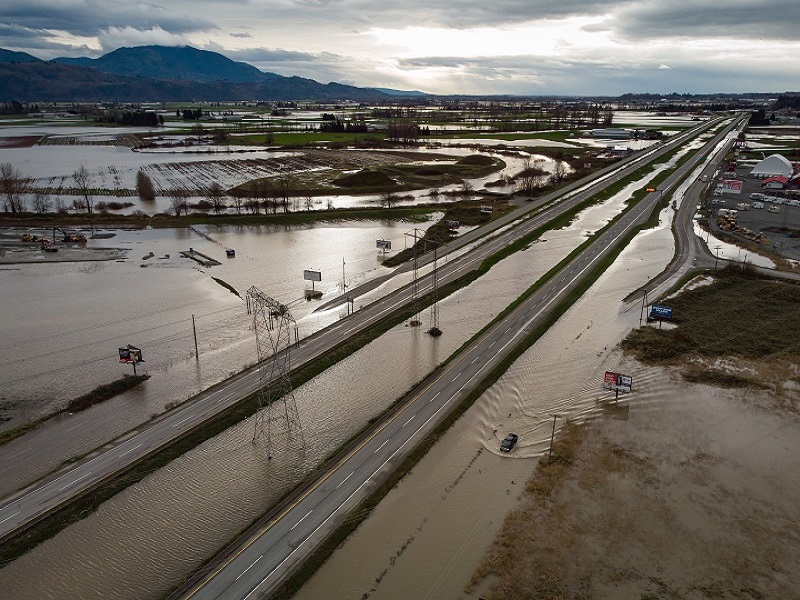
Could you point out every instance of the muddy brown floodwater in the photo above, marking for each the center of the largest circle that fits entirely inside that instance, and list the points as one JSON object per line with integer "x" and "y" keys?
{"x": 142, "y": 542}
{"x": 426, "y": 538}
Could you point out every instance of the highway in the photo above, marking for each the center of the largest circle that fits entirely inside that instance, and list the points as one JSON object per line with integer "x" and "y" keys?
{"x": 262, "y": 561}
{"x": 43, "y": 497}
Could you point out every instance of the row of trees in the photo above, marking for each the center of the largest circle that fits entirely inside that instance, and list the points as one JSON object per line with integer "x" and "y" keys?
{"x": 533, "y": 177}
{"x": 266, "y": 196}
{"x": 143, "y": 118}
{"x": 14, "y": 186}
{"x": 403, "y": 131}
{"x": 337, "y": 125}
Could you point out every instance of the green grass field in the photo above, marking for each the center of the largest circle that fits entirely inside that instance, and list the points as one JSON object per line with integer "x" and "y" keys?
{"x": 739, "y": 315}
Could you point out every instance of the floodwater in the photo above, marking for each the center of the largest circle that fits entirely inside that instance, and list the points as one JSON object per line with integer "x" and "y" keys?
{"x": 64, "y": 322}
{"x": 193, "y": 169}
{"x": 176, "y": 518}
{"x": 426, "y": 537}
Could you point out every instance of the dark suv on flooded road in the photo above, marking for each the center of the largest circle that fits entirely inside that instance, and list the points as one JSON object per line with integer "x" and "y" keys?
{"x": 509, "y": 442}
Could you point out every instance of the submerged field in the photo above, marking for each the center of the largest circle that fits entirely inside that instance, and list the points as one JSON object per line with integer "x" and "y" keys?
{"x": 679, "y": 490}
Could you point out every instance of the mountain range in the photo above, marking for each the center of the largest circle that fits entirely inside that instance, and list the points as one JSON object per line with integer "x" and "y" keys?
{"x": 160, "y": 73}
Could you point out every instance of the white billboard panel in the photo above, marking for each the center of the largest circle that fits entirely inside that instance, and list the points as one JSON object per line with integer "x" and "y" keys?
{"x": 731, "y": 186}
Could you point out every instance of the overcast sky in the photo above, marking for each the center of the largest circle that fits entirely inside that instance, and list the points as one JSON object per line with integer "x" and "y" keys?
{"x": 597, "y": 47}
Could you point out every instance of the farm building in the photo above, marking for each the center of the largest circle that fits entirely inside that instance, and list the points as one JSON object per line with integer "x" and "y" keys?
{"x": 775, "y": 165}
{"x": 613, "y": 134}
{"x": 775, "y": 183}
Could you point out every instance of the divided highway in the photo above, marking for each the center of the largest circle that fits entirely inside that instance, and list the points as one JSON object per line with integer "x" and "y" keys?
{"x": 263, "y": 561}
{"x": 41, "y": 498}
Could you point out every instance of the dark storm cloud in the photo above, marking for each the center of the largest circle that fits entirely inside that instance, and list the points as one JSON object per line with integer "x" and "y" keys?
{"x": 87, "y": 17}
{"x": 14, "y": 36}
{"x": 744, "y": 19}
{"x": 462, "y": 14}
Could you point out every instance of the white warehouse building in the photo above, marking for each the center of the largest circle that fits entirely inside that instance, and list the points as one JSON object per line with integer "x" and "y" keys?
{"x": 775, "y": 165}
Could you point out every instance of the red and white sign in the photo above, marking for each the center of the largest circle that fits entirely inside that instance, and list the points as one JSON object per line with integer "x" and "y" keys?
{"x": 731, "y": 186}
{"x": 617, "y": 382}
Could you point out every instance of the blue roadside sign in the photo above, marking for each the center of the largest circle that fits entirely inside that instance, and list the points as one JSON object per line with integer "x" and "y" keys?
{"x": 660, "y": 312}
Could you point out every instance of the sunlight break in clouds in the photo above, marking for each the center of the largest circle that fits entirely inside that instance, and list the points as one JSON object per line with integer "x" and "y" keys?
{"x": 544, "y": 38}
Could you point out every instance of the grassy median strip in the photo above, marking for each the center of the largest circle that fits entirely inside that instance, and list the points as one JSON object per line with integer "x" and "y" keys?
{"x": 99, "y": 394}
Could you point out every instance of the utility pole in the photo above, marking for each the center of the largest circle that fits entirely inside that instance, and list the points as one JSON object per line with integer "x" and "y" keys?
{"x": 344, "y": 285}
{"x": 644, "y": 303}
{"x": 716, "y": 256}
{"x": 552, "y": 435}
{"x": 194, "y": 330}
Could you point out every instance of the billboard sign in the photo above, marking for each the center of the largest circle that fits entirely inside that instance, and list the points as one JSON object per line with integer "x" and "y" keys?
{"x": 383, "y": 244}
{"x": 660, "y": 312}
{"x": 130, "y": 355}
{"x": 731, "y": 186}
{"x": 312, "y": 275}
{"x": 617, "y": 382}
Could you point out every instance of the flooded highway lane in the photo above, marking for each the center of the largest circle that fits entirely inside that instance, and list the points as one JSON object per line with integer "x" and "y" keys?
{"x": 184, "y": 512}
{"x": 415, "y": 543}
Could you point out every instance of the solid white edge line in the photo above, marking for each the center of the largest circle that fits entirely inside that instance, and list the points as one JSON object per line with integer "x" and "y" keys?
{"x": 301, "y": 520}
{"x": 343, "y": 480}
{"x": 248, "y": 568}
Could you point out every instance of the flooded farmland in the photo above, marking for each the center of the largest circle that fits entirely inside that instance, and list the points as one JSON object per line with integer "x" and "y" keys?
{"x": 175, "y": 518}
{"x": 98, "y": 307}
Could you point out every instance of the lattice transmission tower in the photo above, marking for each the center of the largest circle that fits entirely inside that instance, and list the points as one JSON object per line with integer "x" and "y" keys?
{"x": 274, "y": 326}
{"x": 420, "y": 236}
{"x": 416, "y": 235}
{"x": 434, "y": 329}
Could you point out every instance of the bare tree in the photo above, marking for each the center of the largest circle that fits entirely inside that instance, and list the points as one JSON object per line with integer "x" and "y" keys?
{"x": 144, "y": 186}
{"x": 272, "y": 193}
{"x": 284, "y": 187}
{"x": 386, "y": 198}
{"x": 216, "y": 195}
{"x": 177, "y": 198}
{"x": 83, "y": 181}
{"x": 403, "y": 131}
{"x": 309, "y": 201}
{"x": 252, "y": 205}
{"x": 41, "y": 203}
{"x": 238, "y": 202}
{"x": 530, "y": 179}
{"x": 559, "y": 171}
{"x": 12, "y": 186}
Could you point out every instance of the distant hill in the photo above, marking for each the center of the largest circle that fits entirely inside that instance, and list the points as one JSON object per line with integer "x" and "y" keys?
{"x": 9, "y": 56}
{"x": 166, "y": 62}
{"x": 158, "y": 73}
